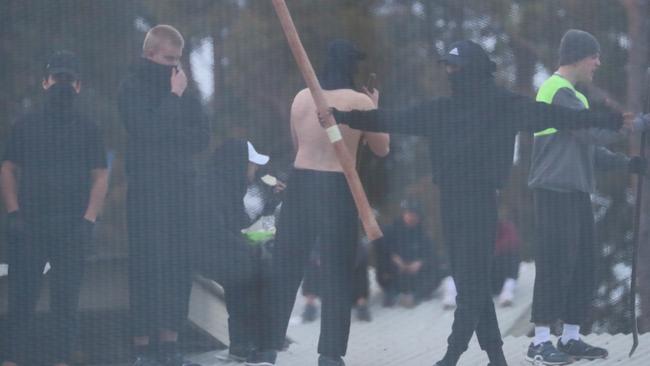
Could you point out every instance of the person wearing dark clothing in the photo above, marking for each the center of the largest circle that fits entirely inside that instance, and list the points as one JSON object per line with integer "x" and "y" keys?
{"x": 404, "y": 259}
{"x": 361, "y": 282}
{"x": 227, "y": 257}
{"x": 60, "y": 158}
{"x": 165, "y": 127}
{"x": 311, "y": 285}
{"x": 471, "y": 140}
{"x": 318, "y": 206}
{"x": 505, "y": 266}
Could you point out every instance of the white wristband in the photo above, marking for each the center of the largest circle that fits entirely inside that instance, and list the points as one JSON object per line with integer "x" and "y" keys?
{"x": 334, "y": 133}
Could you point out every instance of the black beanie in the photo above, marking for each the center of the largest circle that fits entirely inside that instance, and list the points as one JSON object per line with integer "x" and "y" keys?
{"x": 576, "y": 45}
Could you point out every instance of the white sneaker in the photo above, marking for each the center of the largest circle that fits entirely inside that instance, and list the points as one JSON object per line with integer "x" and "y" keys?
{"x": 449, "y": 297}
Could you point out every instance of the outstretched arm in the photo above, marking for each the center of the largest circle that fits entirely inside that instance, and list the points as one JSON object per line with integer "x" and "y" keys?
{"x": 528, "y": 115}
{"x": 420, "y": 120}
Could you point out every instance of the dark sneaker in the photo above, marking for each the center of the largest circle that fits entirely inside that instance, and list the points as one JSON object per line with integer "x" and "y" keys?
{"x": 176, "y": 359}
{"x": 579, "y": 349}
{"x": 330, "y": 361}
{"x": 310, "y": 313}
{"x": 261, "y": 358}
{"x": 363, "y": 313}
{"x": 230, "y": 358}
{"x": 239, "y": 353}
{"x": 145, "y": 361}
{"x": 546, "y": 354}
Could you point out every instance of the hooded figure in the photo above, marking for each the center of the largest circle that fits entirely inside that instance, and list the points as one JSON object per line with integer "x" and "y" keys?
{"x": 473, "y": 68}
{"x": 220, "y": 251}
{"x": 224, "y": 255}
{"x": 341, "y": 65}
{"x": 228, "y": 183}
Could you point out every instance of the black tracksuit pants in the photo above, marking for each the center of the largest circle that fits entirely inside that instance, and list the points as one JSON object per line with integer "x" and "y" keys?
{"x": 159, "y": 265}
{"x": 565, "y": 257}
{"x": 242, "y": 302}
{"x": 318, "y": 205}
{"x": 52, "y": 242}
{"x": 504, "y": 266}
{"x": 469, "y": 218}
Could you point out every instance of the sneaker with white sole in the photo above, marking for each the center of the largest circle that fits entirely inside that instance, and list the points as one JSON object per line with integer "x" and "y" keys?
{"x": 262, "y": 358}
{"x": 579, "y": 349}
{"x": 545, "y": 354}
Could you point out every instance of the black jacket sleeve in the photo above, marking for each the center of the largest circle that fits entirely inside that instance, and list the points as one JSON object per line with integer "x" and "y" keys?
{"x": 15, "y": 147}
{"x": 528, "y": 115}
{"x": 169, "y": 123}
{"x": 95, "y": 149}
{"x": 420, "y": 120}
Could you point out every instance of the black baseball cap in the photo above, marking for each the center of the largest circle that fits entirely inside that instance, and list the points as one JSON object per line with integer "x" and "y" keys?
{"x": 63, "y": 62}
{"x": 468, "y": 54}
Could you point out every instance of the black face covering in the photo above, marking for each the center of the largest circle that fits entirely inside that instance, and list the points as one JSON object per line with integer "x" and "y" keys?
{"x": 59, "y": 99}
{"x": 341, "y": 65}
{"x": 468, "y": 82}
{"x": 158, "y": 74}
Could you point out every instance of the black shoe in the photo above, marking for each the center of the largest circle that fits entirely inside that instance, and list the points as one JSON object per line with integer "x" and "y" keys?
{"x": 239, "y": 353}
{"x": 546, "y": 354}
{"x": 578, "y": 349}
{"x": 363, "y": 313}
{"x": 330, "y": 361}
{"x": 176, "y": 359}
{"x": 261, "y": 358}
{"x": 145, "y": 361}
{"x": 310, "y": 313}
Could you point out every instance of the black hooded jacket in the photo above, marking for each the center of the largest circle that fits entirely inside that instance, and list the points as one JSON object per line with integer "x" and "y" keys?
{"x": 220, "y": 250}
{"x": 471, "y": 134}
{"x": 164, "y": 130}
{"x": 341, "y": 65}
{"x": 228, "y": 183}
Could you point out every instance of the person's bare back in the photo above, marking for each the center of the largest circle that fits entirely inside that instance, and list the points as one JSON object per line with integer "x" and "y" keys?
{"x": 313, "y": 148}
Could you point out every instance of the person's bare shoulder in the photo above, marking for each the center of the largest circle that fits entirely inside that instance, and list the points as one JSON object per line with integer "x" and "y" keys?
{"x": 302, "y": 95}
{"x": 361, "y": 101}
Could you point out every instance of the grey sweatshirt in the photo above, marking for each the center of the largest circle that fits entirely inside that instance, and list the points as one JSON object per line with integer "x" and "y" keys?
{"x": 565, "y": 161}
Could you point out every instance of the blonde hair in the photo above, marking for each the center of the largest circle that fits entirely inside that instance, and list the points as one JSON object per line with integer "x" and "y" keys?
{"x": 161, "y": 34}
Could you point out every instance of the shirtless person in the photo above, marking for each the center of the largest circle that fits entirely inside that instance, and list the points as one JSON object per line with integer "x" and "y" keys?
{"x": 318, "y": 205}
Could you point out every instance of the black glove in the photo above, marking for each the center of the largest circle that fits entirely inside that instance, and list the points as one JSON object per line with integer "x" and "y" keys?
{"x": 638, "y": 165}
{"x": 16, "y": 227}
{"x": 84, "y": 232}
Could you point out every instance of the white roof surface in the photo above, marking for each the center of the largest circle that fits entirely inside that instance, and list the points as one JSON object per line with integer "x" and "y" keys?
{"x": 398, "y": 336}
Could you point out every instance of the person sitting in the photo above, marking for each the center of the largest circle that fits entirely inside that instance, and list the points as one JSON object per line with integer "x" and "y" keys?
{"x": 404, "y": 259}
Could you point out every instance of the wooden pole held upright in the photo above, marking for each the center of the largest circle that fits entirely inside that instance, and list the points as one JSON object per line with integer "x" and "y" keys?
{"x": 370, "y": 225}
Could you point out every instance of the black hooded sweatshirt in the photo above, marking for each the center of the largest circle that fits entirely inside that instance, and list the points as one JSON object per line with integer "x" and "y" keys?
{"x": 164, "y": 130}
{"x": 471, "y": 134}
{"x": 341, "y": 65}
{"x": 228, "y": 183}
{"x": 220, "y": 251}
